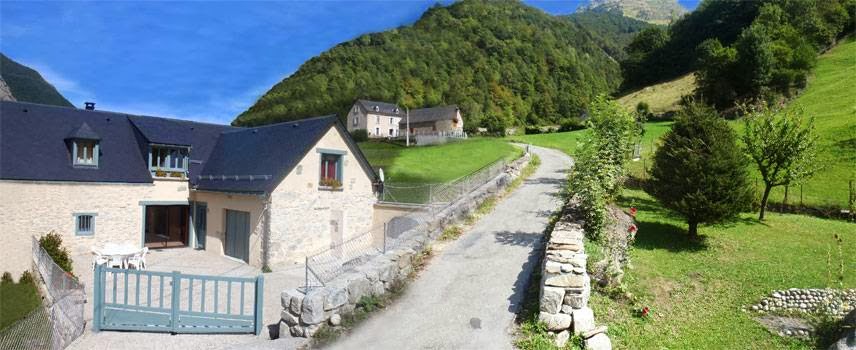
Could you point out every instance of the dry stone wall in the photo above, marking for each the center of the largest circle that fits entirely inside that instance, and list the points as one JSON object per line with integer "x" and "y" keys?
{"x": 566, "y": 287}
{"x": 303, "y": 314}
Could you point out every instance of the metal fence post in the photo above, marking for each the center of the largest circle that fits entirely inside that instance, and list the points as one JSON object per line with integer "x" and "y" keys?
{"x": 176, "y": 300}
{"x": 260, "y": 286}
{"x": 306, "y": 281}
{"x": 384, "y": 236}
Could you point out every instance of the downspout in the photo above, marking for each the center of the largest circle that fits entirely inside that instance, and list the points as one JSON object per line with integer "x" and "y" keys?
{"x": 266, "y": 234}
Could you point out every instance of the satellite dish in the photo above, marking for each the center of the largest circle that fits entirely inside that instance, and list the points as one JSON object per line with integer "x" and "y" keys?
{"x": 380, "y": 174}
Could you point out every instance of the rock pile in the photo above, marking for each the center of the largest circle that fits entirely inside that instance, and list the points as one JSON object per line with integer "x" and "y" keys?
{"x": 566, "y": 287}
{"x": 828, "y": 301}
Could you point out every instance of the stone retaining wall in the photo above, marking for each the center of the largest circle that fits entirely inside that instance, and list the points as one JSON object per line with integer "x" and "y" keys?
{"x": 304, "y": 314}
{"x": 835, "y": 302}
{"x": 566, "y": 287}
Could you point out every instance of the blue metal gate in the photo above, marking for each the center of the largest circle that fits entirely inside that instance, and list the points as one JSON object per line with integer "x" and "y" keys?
{"x": 135, "y": 300}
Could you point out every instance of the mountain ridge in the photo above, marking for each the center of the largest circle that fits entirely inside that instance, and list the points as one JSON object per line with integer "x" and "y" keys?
{"x": 21, "y": 83}
{"x": 652, "y": 11}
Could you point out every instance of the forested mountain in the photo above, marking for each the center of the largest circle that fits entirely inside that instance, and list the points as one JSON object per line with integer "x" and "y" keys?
{"x": 653, "y": 11}
{"x": 21, "y": 83}
{"x": 611, "y": 29}
{"x": 740, "y": 50}
{"x": 497, "y": 60}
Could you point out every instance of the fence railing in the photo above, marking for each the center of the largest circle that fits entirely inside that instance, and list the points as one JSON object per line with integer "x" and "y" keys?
{"x": 325, "y": 265}
{"x": 57, "y": 323}
{"x": 443, "y": 193}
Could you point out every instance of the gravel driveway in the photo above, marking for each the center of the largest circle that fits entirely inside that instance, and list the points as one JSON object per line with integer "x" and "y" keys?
{"x": 468, "y": 295}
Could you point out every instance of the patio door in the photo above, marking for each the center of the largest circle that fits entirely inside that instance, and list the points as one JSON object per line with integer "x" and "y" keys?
{"x": 200, "y": 223}
{"x": 238, "y": 234}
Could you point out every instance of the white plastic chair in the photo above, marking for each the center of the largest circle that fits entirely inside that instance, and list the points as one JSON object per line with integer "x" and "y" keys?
{"x": 98, "y": 258}
{"x": 138, "y": 260}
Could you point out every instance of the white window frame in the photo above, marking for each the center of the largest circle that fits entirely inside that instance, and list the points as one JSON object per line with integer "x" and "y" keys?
{"x": 83, "y": 162}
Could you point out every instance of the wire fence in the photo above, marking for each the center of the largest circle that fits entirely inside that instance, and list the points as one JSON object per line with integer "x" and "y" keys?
{"x": 59, "y": 322}
{"x": 325, "y": 265}
{"x": 443, "y": 193}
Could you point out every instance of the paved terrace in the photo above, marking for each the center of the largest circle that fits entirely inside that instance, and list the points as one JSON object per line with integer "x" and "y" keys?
{"x": 189, "y": 261}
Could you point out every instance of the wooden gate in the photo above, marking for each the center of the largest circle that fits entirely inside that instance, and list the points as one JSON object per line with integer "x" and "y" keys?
{"x": 152, "y": 301}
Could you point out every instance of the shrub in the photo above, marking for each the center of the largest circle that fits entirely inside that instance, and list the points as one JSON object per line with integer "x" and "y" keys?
{"x": 571, "y": 124}
{"x": 7, "y": 278}
{"x": 643, "y": 111}
{"x": 532, "y": 130}
{"x": 451, "y": 233}
{"x": 27, "y": 278}
{"x": 601, "y": 157}
{"x": 52, "y": 243}
{"x": 699, "y": 171}
{"x": 360, "y": 135}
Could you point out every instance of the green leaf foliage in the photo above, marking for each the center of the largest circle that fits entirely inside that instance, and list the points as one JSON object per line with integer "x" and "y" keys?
{"x": 494, "y": 59}
{"x": 52, "y": 244}
{"x": 699, "y": 171}
{"x": 783, "y": 146}
{"x": 600, "y": 161}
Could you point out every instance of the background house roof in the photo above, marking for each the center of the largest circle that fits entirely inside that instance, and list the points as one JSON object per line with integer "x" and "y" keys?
{"x": 383, "y": 108}
{"x": 433, "y": 114}
{"x": 34, "y": 145}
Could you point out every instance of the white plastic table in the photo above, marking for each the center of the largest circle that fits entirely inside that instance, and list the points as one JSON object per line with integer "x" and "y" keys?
{"x": 120, "y": 252}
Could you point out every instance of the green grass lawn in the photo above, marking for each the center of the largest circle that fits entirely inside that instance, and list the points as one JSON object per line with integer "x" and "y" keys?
{"x": 567, "y": 142}
{"x": 662, "y": 97}
{"x": 16, "y": 301}
{"x": 438, "y": 163}
{"x": 696, "y": 290}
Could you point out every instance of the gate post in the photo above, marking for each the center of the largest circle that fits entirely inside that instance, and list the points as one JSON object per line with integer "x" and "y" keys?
{"x": 98, "y": 295}
{"x": 260, "y": 286}
{"x": 176, "y": 300}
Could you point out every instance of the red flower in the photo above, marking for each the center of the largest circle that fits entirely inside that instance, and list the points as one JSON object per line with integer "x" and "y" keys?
{"x": 633, "y": 212}
{"x": 645, "y": 311}
{"x": 632, "y": 228}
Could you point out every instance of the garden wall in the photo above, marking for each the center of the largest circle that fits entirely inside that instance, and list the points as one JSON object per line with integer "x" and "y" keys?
{"x": 566, "y": 286}
{"x": 303, "y": 314}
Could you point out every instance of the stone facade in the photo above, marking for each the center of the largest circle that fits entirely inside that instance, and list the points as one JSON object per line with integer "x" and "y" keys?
{"x": 34, "y": 208}
{"x": 565, "y": 288}
{"x": 377, "y": 125}
{"x": 304, "y": 314}
{"x": 301, "y": 212}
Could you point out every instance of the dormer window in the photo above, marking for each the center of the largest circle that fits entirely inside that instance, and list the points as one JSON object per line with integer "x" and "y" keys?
{"x": 85, "y": 152}
{"x": 376, "y": 108}
{"x": 85, "y": 148}
{"x": 356, "y": 109}
{"x": 169, "y": 161}
{"x": 396, "y": 110}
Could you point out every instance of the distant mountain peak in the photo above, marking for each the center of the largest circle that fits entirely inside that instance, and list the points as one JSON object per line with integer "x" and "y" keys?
{"x": 21, "y": 83}
{"x": 653, "y": 11}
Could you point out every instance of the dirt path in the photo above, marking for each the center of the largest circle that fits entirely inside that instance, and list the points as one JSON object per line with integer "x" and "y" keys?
{"x": 468, "y": 295}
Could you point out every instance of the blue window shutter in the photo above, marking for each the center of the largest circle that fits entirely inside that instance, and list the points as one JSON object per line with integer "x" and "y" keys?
{"x": 339, "y": 169}
{"x": 95, "y": 152}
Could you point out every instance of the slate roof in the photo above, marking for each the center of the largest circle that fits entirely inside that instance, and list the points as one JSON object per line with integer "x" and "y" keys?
{"x": 433, "y": 114}
{"x": 34, "y": 145}
{"x": 84, "y": 132}
{"x": 383, "y": 108}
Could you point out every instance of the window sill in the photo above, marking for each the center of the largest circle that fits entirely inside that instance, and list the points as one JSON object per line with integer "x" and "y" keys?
{"x": 330, "y": 189}
{"x": 169, "y": 178}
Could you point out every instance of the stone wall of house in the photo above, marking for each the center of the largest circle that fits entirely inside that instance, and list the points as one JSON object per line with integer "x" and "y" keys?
{"x": 565, "y": 288}
{"x": 304, "y": 314}
{"x": 34, "y": 208}
{"x": 301, "y": 212}
{"x": 215, "y": 234}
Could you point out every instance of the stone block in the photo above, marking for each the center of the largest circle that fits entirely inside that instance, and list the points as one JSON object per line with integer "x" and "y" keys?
{"x": 576, "y": 301}
{"x": 296, "y": 331}
{"x": 562, "y": 338}
{"x": 583, "y": 320}
{"x": 335, "y": 320}
{"x": 553, "y": 267}
{"x": 289, "y": 318}
{"x": 282, "y": 330}
{"x": 357, "y": 289}
{"x": 573, "y": 247}
{"x": 551, "y": 299}
{"x": 599, "y": 342}
{"x": 595, "y": 331}
{"x": 287, "y": 295}
{"x": 555, "y": 322}
{"x": 377, "y": 288}
{"x": 565, "y": 280}
{"x": 312, "y": 311}
{"x": 336, "y": 297}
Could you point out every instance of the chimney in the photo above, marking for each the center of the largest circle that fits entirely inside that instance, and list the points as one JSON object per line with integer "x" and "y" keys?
{"x": 90, "y": 106}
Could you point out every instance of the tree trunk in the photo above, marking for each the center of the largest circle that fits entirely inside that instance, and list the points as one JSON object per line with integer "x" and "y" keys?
{"x": 693, "y": 229}
{"x": 764, "y": 198}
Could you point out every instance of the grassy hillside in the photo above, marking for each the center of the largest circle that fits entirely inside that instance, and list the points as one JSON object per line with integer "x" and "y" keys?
{"x": 497, "y": 58}
{"x": 695, "y": 290}
{"x": 27, "y": 85}
{"x": 662, "y": 97}
{"x": 438, "y": 163}
{"x": 831, "y": 99}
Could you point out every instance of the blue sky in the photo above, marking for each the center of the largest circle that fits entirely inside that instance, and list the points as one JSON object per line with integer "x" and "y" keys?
{"x": 206, "y": 61}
